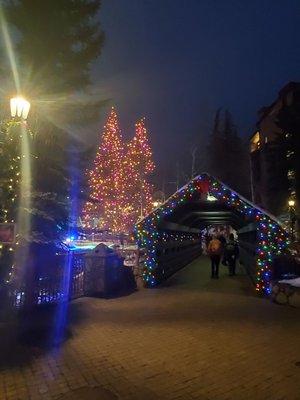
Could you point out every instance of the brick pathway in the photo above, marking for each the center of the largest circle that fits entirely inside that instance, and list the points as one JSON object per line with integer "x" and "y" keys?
{"x": 191, "y": 339}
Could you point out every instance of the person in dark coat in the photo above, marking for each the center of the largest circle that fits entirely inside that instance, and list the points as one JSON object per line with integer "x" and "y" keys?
{"x": 231, "y": 254}
{"x": 223, "y": 241}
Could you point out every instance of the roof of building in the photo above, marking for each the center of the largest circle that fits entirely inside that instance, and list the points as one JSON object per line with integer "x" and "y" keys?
{"x": 263, "y": 112}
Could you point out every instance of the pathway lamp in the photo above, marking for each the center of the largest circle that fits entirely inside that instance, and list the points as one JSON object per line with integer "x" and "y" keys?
{"x": 292, "y": 204}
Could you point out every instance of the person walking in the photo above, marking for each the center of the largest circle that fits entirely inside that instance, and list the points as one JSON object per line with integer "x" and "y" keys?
{"x": 231, "y": 254}
{"x": 214, "y": 250}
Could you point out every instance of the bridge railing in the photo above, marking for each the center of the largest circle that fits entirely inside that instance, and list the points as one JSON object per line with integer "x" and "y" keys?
{"x": 172, "y": 256}
{"x": 248, "y": 257}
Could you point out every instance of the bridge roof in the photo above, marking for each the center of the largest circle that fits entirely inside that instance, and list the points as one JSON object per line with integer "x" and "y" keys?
{"x": 205, "y": 206}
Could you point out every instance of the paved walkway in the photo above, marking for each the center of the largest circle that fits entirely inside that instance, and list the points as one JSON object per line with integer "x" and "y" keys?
{"x": 193, "y": 338}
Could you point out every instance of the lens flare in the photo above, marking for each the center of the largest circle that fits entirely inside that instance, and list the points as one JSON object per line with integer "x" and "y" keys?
{"x": 10, "y": 51}
{"x": 24, "y": 218}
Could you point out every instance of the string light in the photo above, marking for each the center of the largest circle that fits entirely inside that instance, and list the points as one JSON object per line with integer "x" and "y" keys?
{"x": 105, "y": 180}
{"x": 271, "y": 238}
{"x": 11, "y": 173}
{"x": 138, "y": 165}
{"x": 118, "y": 180}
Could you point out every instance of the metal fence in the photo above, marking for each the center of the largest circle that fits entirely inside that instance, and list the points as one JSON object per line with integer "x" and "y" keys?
{"x": 64, "y": 282}
{"x": 72, "y": 276}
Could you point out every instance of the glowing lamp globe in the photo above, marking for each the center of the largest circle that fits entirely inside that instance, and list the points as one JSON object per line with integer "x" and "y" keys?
{"x": 291, "y": 203}
{"x": 19, "y": 107}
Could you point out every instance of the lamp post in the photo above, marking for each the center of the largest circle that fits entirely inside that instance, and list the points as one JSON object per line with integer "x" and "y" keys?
{"x": 292, "y": 203}
{"x": 19, "y": 107}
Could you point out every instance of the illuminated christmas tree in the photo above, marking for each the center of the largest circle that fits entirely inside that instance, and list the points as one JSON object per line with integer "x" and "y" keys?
{"x": 9, "y": 192}
{"x": 10, "y": 170}
{"x": 138, "y": 165}
{"x": 105, "y": 208}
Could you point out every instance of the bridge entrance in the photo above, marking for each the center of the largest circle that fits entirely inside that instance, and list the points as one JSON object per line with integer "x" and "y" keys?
{"x": 171, "y": 236}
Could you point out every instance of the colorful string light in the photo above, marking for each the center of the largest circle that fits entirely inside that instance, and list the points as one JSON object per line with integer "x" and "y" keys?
{"x": 10, "y": 159}
{"x": 120, "y": 191}
{"x": 105, "y": 180}
{"x": 271, "y": 237}
{"x": 138, "y": 165}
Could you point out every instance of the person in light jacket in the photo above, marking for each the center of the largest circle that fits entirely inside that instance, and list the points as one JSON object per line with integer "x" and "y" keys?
{"x": 214, "y": 251}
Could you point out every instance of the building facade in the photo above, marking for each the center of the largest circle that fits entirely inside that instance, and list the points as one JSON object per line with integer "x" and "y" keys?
{"x": 275, "y": 155}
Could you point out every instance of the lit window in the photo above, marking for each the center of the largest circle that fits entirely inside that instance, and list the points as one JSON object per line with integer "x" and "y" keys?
{"x": 255, "y": 142}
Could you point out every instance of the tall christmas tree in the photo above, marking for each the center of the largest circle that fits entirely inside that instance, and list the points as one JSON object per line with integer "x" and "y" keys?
{"x": 105, "y": 208}
{"x": 138, "y": 165}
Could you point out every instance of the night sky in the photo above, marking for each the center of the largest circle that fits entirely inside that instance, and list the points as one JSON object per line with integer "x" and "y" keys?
{"x": 175, "y": 62}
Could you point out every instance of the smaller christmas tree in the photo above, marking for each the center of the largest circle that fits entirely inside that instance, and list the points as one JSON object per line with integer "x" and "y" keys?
{"x": 138, "y": 165}
{"x": 10, "y": 170}
{"x": 105, "y": 207}
{"x": 10, "y": 161}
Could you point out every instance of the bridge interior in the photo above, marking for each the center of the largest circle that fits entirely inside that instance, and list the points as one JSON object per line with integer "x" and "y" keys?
{"x": 191, "y": 218}
{"x": 200, "y": 213}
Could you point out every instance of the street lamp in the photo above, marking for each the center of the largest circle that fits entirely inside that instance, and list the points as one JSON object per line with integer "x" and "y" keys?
{"x": 19, "y": 107}
{"x": 292, "y": 203}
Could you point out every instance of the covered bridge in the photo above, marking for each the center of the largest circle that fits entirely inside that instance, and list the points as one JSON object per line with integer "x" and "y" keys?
{"x": 171, "y": 235}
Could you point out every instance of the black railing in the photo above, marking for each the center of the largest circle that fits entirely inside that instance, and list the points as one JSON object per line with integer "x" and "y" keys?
{"x": 248, "y": 257}
{"x": 63, "y": 283}
{"x": 173, "y": 256}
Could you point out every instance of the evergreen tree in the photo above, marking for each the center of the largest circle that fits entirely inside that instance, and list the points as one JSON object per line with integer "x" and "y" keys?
{"x": 229, "y": 140}
{"x": 56, "y": 43}
{"x": 9, "y": 192}
{"x": 10, "y": 170}
{"x": 215, "y": 146}
{"x": 41, "y": 217}
{"x": 59, "y": 39}
{"x": 105, "y": 207}
{"x": 227, "y": 154}
{"x": 138, "y": 165}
